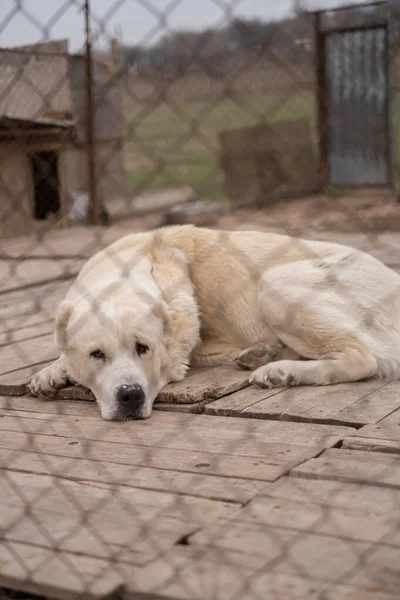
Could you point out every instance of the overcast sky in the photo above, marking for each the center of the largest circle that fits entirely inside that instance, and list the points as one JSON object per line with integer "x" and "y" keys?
{"x": 128, "y": 19}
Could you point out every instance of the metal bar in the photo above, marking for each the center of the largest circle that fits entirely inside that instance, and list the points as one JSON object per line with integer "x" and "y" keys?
{"x": 348, "y": 7}
{"x": 352, "y": 28}
{"x": 390, "y": 92}
{"x": 95, "y": 209}
{"x": 322, "y": 103}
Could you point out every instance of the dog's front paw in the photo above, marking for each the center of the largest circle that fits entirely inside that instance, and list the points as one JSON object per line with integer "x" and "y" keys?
{"x": 274, "y": 375}
{"x": 48, "y": 381}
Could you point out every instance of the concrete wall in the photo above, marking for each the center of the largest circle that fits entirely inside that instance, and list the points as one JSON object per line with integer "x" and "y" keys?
{"x": 16, "y": 190}
{"x": 17, "y": 185}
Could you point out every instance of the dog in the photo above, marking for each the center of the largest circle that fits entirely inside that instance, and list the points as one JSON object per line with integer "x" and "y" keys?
{"x": 294, "y": 312}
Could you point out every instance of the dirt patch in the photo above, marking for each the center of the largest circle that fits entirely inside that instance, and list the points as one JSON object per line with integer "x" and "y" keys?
{"x": 322, "y": 213}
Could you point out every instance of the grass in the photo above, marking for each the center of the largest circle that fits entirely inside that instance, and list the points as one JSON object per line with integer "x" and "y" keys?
{"x": 179, "y": 146}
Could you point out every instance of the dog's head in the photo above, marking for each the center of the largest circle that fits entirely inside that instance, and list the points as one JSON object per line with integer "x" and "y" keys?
{"x": 117, "y": 349}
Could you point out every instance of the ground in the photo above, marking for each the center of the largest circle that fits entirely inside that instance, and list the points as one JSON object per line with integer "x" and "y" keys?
{"x": 227, "y": 492}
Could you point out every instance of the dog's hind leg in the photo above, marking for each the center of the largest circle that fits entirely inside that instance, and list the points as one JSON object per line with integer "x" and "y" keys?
{"x": 264, "y": 353}
{"x": 320, "y": 323}
{"x": 350, "y": 365}
{"x": 212, "y": 353}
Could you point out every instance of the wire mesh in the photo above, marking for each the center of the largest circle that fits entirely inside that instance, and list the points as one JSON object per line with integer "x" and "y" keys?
{"x": 118, "y": 117}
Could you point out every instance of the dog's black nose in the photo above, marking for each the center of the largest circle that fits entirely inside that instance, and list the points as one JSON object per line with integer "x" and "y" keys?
{"x": 131, "y": 396}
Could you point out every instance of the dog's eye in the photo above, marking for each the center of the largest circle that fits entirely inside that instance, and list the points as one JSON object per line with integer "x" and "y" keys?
{"x": 141, "y": 348}
{"x": 98, "y": 354}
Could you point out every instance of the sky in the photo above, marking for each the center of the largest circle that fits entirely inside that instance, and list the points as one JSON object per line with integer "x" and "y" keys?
{"x": 30, "y": 21}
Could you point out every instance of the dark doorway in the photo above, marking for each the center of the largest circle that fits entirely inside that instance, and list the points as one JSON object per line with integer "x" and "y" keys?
{"x": 46, "y": 184}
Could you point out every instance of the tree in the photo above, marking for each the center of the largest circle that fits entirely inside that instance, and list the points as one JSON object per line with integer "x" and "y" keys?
{"x": 299, "y": 7}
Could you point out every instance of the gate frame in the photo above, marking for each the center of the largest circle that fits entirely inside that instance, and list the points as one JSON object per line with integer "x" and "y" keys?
{"x": 322, "y": 95}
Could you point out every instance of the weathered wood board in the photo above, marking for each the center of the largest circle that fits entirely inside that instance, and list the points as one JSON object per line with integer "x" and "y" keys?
{"x": 319, "y": 529}
{"x": 199, "y": 387}
{"x": 102, "y": 520}
{"x": 26, "y": 331}
{"x": 192, "y": 443}
{"x": 391, "y": 420}
{"x": 16, "y": 275}
{"x": 36, "y": 570}
{"x": 354, "y": 466}
{"x": 14, "y": 383}
{"x": 28, "y": 307}
{"x": 354, "y": 404}
{"x": 198, "y": 573}
{"x": 375, "y": 438}
{"x": 117, "y": 472}
{"x": 30, "y": 352}
{"x": 205, "y": 384}
{"x": 186, "y": 573}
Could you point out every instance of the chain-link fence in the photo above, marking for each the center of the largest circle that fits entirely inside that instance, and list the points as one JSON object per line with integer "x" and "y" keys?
{"x": 119, "y": 117}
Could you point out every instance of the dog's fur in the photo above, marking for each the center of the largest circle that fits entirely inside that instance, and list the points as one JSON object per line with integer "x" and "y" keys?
{"x": 297, "y": 312}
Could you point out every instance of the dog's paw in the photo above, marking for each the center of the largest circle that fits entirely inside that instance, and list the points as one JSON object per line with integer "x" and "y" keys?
{"x": 48, "y": 381}
{"x": 258, "y": 355}
{"x": 274, "y": 375}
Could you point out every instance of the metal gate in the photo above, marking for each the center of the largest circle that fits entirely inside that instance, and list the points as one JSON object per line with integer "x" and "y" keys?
{"x": 357, "y": 106}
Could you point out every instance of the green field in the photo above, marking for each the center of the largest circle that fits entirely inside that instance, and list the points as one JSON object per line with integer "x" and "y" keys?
{"x": 168, "y": 147}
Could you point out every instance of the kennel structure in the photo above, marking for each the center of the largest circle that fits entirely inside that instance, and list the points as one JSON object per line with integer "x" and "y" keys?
{"x": 44, "y": 138}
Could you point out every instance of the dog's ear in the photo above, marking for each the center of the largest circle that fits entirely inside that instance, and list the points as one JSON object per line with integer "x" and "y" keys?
{"x": 63, "y": 316}
{"x": 160, "y": 309}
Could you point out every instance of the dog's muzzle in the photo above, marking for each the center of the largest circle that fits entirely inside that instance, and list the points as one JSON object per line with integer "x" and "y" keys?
{"x": 130, "y": 399}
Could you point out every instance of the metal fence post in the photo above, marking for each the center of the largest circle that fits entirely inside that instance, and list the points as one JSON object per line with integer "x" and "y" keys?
{"x": 322, "y": 104}
{"x": 95, "y": 212}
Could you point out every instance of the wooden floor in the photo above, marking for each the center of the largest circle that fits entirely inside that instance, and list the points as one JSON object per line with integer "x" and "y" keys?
{"x": 228, "y": 492}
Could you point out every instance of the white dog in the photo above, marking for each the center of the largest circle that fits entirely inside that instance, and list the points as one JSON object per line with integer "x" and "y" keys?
{"x": 296, "y": 312}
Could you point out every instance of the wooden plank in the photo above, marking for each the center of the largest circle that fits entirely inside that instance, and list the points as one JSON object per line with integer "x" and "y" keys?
{"x": 31, "y": 352}
{"x": 31, "y": 404}
{"x": 14, "y": 383}
{"x": 195, "y": 573}
{"x": 30, "y": 305}
{"x": 234, "y": 404}
{"x": 160, "y": 458}
{"x": 243, "y": 437}
{"x": 199, "y": 387}
{"x": 350, "y": 512}
{"x": 328, "y": 536}
{"x": 275, "y": 513}
{"x": 197, "y": 408}
{"x": 374, "y": 438}
{"x": 205, "y": 384}
{"x": 70, "y": 241}
{"x": 31, "y": 327}
{"x": 391, "y": 420}
{"x": 325, "y": 558}
{"x": 120, "y": 523}
{"x": 77, "y": 407}
{"x": 78, "y": 392}
{"x": 353, "y": 466}
{"x": 224, "y": 459}
{"x": 342, "y": 404}
{"x": 36, "y": 570}
{"x": 15, "y": 275}
{"x": 199, "y": 485}
{"x": 375, "y": 406}
{"x": 336, "y": 494}
{"x": 188, "y": 573}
